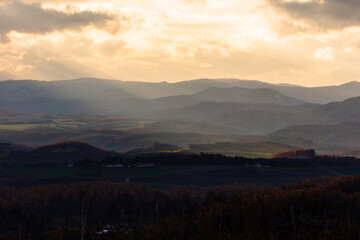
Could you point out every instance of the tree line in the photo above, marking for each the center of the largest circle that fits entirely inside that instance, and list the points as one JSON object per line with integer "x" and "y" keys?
{"x": 327, "y": 210}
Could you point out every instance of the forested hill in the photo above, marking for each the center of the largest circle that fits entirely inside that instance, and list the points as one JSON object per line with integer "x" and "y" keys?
{"x": 327, "y": 210}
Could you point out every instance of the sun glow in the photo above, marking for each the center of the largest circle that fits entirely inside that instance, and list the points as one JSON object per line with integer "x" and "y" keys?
{"x": 187, "y": 39}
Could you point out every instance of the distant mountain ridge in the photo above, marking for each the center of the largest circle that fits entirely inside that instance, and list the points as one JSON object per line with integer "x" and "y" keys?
{"x": 93, "y": 88}
{"x": 109, "y": 105}
{"x": 211, "y": 106}
{"x": 89, "y": 89}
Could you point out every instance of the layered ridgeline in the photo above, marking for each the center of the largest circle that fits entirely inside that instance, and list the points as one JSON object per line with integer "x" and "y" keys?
{"x": 190, "y": 112}
{"x": 266, "y": 118}
{"x": 91, "y": 88}
{"x": 250, "y": 106}
{"x": 119, "y": 104}
{"x": 110, "y": 97}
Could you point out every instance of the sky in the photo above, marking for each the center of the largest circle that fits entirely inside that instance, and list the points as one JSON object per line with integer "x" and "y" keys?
{"x": 304, "y": 42}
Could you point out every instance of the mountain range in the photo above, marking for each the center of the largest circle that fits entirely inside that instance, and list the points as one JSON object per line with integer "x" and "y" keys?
{"x": 327, "y": 115}
{"x": 101, "y": 89}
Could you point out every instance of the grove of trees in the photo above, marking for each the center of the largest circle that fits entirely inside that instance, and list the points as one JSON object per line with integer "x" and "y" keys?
{"x": 101, "y": 210}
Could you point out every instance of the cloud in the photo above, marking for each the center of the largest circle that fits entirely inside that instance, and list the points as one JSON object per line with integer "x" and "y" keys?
{"x": 194, "y": 1}
{"x": 32, "y": 18}
{"x": 324, "y": 53}
{"x": 323, "y": 14}
{"x": 142, "y": 40}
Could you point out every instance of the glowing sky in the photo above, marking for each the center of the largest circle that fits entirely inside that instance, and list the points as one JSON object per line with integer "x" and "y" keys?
{"x": 307, "y": 42}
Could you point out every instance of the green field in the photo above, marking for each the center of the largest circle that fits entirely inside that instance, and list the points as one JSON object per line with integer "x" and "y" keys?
{"x": 20, "y": 127}
{"x": 59, "y": 125}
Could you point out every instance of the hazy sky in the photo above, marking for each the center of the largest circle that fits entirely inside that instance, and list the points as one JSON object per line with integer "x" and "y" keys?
{"x": 307, "y": 42}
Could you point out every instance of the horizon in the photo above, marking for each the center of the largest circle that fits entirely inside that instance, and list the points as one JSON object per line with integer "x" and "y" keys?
{"x": 180, "y": 81}
{"x": 274, "y": 41}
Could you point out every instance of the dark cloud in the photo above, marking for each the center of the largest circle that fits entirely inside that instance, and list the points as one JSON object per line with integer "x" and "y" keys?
{"x": 327, "y": 14}
{"x": 31, "y": 18}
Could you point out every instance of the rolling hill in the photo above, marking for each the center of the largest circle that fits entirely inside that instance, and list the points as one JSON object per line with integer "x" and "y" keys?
{"x": 182, "y": 125}
{"x": 68, "y": 147}
{"x": 245, "y": 95}
{"x": 234, "y": 94}
{"x": 136, "y": 107}
{"x": 347, "y": 110}
{"x": 69, "y": 151}
{"x": 267, "y": 118}
{"x": 260, "y": 147}
{"x": 345, "y": 134}
{"x": 321, "y": 95}
{"x": 249, "y": 118}
{"x": 9, "y": 148}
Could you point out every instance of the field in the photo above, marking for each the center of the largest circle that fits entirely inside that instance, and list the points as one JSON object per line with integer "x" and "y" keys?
{"x": 58, "y": 124}
{"x": 20, "y": 127}
{"x": 71, "y": 122}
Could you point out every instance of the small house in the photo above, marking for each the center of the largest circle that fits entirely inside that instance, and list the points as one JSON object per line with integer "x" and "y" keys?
{"x": 69, "y": 165}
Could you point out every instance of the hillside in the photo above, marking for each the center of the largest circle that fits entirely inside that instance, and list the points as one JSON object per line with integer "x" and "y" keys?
{"x": 347, "y": 110}
{"x": 260, "y": 147}
{"x": 234, "y": 94}
{"x": 267, "y": 118}
{"x": 108, "y": 105}
{"x": 182, "y": 125}
{"x": 245, "y": 95}
{"x": 249, "y": 118}
{"x": 9, "y": 148}
{"x": 344, "y": 134}
{"x": 62, "y": 152}
{"x": 101, "y": 89}
{"x": 68, "y": 147}
{"x": 298, "y": 153}
{"x": 321, "y": 95}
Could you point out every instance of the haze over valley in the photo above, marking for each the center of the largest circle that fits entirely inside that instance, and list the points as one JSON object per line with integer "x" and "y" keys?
{"x": 200, "y": 108}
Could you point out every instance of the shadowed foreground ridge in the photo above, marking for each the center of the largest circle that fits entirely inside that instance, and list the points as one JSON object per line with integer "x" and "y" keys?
{"x": 298, "y": 153}
{"x": 302, "y": 211}
{"x": 68, "y": 146}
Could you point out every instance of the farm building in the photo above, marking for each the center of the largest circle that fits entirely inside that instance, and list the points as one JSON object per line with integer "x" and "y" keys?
{"x": 114, "y": 165}
{"x": 145, "y": 165}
